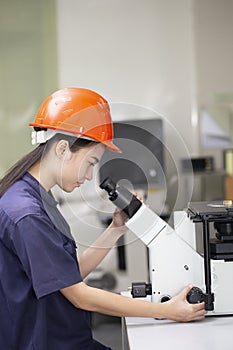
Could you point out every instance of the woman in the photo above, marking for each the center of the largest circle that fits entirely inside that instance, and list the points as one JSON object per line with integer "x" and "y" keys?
{"x": 43, "y": 299}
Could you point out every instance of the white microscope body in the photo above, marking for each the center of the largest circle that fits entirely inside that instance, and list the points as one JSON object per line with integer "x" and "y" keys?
{"x": 174, "y": 261}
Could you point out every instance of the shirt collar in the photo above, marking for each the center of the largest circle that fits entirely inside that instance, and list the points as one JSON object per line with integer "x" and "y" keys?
{"x": 43, "y": 194}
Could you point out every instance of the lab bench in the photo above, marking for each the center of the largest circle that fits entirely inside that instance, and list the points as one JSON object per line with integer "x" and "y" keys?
{"x": 213, "y": 333}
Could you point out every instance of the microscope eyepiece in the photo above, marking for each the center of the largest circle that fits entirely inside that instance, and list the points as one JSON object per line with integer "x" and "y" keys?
{"x": 121, "y": 197}
{"x": 108, "y": 185}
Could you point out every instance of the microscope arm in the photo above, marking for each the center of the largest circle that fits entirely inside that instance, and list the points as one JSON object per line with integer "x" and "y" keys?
{"x": 146, "y": 224}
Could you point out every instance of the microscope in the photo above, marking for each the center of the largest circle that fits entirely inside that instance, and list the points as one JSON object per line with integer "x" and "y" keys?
{"x": 186, "y": 254}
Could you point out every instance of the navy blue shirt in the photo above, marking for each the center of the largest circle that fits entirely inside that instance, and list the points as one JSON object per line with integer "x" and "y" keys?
{"x": 37, "y": 259}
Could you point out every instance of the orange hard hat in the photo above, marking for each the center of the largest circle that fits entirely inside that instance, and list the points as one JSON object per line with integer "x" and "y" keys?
{"x": 77, "y": 111}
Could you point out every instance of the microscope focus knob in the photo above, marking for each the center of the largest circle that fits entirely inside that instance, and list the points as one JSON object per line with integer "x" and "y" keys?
{"x": 165, "y": 298}
{"x": 195, "y": 296}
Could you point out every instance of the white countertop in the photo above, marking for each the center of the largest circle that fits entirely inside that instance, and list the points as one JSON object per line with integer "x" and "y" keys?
{"x": 213, "y": 333}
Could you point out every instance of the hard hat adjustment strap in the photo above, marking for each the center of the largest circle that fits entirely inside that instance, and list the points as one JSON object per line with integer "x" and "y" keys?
{"x": 43, "y": 136}
{"x": 38, "y": 137}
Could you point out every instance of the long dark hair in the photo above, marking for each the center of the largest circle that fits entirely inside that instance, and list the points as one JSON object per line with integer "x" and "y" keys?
{"x": 20, "y": 168}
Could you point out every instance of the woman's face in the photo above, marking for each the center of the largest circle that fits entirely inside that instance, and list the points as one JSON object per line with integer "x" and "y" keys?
{"x": 78, "y": 167}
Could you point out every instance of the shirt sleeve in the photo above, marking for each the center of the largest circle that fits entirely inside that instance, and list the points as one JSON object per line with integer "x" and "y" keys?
{"x": 48, "y": 257}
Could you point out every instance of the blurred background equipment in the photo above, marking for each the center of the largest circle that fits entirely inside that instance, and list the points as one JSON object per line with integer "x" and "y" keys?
{"x": 141, "y": 162}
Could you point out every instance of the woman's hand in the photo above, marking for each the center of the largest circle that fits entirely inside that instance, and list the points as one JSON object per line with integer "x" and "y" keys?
{"x": 119, "y": 218}
{"x": 178, "y": 308}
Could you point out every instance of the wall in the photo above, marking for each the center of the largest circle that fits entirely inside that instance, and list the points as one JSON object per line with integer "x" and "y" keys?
{"x": 213, "y": 28}
{"x": 214, "y": 50}
{"x": 28, "y": 70}
{"x": 132, "y": 52}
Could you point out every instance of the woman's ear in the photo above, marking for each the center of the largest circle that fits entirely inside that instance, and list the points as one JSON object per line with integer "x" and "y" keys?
{"x": 62, "y": 149}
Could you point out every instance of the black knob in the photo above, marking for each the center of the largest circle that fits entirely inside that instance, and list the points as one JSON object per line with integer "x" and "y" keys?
{"x": 141, "y": 289}
{"x": 195, "y": 296}
{"x": 165, "y": 298}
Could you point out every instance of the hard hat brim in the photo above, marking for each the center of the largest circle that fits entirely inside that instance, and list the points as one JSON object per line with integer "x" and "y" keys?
{"x": 111, "y": 146}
